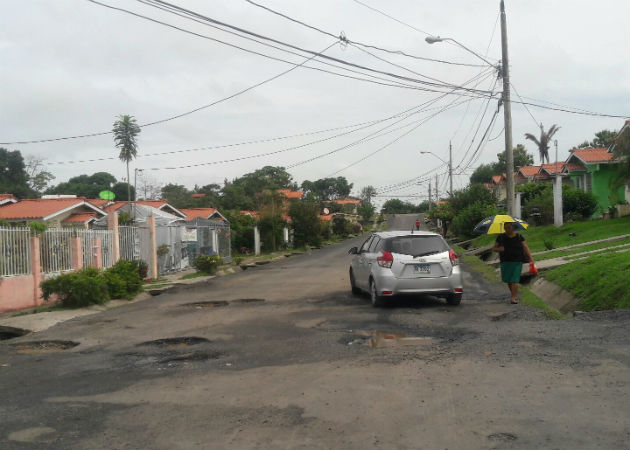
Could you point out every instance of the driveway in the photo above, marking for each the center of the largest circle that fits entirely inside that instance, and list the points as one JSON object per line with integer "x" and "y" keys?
{"x": 283, "y": 356}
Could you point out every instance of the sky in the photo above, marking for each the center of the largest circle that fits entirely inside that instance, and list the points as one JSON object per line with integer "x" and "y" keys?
{"x": 238, "y": 102}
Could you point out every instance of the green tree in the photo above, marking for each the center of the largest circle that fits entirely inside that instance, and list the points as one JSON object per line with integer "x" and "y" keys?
{"x": 367, "y": 193}
{"x": 366, "y": 211}
{"x": 13, "y": 175}
{"x": 89, "y": 186}
{"x": 307, "y": 228}
{"x": 327, "y": 189}
{"x": 38, "y": 177}
{"x": 484, "y": 173}
{"x": 125, "y": 132}
{"x": 121, "y": 191}
{"x": 543, "y": 142}
{"x": 521, "y": 158}
{"x": 604, "y": 138}
{"x": 397, "y": 206}
{"x": 177, "y": 195}
{"x": 445, "y": 213}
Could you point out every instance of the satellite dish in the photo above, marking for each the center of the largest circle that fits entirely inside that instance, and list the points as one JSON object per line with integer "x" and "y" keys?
{"x": 326, "y": 211}
{"x": 107, "y": 195}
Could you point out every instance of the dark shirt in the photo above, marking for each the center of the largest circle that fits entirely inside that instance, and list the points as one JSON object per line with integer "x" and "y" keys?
{"x": 513, "y": 248}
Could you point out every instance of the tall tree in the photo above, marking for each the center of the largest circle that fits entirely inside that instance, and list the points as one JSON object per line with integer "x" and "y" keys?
{"x": 367, "y": 193}
{"x": 87, "y": 185}
{"x": 13, "y": 176}
{"x": 38, "y": 178}
{"x": 604, "y": 138}
{"x": 327, "y": 189}
{"x": 521, "y": 158}
{"x": 543, "y": 142}
{"x": 125, "y": 132}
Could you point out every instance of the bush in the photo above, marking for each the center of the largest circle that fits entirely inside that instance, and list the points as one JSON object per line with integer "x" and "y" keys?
{"x": 143, "y": 268}
{"x": 549, "y": 245}
{"x": 123, "y": 279}
{"x": 464, "y": 222}
{"x": 578, "y": 202}
{"x": 207, "y": 263}
{"x": 77, "y": 289}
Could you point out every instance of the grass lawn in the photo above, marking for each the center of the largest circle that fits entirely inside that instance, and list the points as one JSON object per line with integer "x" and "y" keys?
{"x": 194, "y": 275}
{"x": 601, "y": 280}
{"x": 585, "y": 231}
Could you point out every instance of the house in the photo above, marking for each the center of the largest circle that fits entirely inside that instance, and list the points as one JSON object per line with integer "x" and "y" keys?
{"x": 349, "y": 205}
{"x": 7, "y": 199}
{"x": 252, "y": 214}
{"x": 526, "y": 174}
{"x": 594, "y": 170}
{"x": 203, "y": 213}
{"x": 54, "y": 211}
{"x": 161, "y": 205}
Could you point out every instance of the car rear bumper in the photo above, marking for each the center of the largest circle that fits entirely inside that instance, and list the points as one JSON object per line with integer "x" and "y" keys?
{"x": 386, "y": 283}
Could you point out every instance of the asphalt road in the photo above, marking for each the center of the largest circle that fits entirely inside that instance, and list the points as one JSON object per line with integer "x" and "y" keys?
{"x": 283, "y": 356}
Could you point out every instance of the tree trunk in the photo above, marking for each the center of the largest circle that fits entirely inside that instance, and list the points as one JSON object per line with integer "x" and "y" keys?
{"x": 128, "y": 186}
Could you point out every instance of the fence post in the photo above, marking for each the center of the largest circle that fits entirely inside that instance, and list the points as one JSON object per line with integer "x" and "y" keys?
{"x": 153, "y": 263}
{"x": 36, "y": 270}
{"x": 96, "y": 253}
{"x": 112, "y": 224}
{"x": 77, "y": 253}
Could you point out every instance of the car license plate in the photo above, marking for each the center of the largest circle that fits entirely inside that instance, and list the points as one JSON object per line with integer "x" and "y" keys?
{"x": 422, "y": 268}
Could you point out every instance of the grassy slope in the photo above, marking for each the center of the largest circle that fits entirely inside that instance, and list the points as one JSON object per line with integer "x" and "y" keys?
{"x": 602, "y": 281}
{"x": 589, "y": 230}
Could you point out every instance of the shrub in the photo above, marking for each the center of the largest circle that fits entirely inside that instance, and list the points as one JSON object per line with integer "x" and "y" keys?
{"x": 207, "y": 263}
{"x": 123, "y": 279}
{"x": 576, "y": 201}
{"x": 77, "y": 289}
{"x": 549, "y": 245}
{"x": 464, "y": 222}
{"x": 143, "y": 268}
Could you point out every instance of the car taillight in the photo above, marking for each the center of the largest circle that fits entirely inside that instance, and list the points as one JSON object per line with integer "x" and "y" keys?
{"x": 453, "y": 257}
{"x": 386, "y": 259}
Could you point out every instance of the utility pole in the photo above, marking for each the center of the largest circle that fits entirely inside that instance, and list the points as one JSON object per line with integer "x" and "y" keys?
{"x": 430, "y": 198}
{"x": 437, "y": 196}
{"x": 450, "y": 167}
{"x": 507, "y": 114}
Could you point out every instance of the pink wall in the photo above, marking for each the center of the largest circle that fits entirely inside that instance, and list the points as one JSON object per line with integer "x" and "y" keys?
{"x": 18, "y": 293}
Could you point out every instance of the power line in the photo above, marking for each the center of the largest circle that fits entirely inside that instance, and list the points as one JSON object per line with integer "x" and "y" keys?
{"x": 327, "y": 33}
{"x": 392, "y": 18}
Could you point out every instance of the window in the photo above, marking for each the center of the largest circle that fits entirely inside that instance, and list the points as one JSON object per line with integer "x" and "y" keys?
{"x": 366, "y": 244}
{"x": 374, "y": 244}
{"x": 416, "y": 245}
{"x": 588, "y": 182}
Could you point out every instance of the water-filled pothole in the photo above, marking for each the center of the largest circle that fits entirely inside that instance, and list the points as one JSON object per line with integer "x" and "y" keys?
{"x": 249, "y": 300}
{"x": 505, "y": 437}
{"x": 208, "y": 304}
{"x": 11, "y": 332}
{"x": 44, "y": 346}
{"x": 380, "y": 339}
{"x": 175, "y": 342}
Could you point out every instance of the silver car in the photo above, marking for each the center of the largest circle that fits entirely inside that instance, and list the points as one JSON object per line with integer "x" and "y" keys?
{"x": 406, "y": 262}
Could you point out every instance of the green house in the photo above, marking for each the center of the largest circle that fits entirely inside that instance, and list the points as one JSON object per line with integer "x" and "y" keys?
{"x": 594, "y": 170}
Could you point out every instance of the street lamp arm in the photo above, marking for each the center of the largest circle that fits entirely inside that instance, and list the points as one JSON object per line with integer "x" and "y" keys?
{"x": 431, "y": 153}
{"x": 434, "y": 39}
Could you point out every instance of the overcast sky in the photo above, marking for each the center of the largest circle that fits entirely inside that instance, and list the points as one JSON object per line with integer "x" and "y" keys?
{"x": 70, "y": 67}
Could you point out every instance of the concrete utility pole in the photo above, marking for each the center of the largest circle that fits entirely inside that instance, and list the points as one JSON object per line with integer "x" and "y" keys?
{"x": 437, "y": 196}
{"x": 430, "y": 198}
{"x": 450, "y": 167}
{"x": 507, "y": 114}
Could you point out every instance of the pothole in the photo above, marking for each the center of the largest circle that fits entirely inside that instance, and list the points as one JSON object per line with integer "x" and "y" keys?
{"x": 175, "y": 342}
{"x": 380, "y": 339}
{"x": 208, "y": 304}
{"x": 504, "y": 437}
{"x": 44, "y": 346}
{"x": 11, "y": 332}
{"x": 249, "y": 300}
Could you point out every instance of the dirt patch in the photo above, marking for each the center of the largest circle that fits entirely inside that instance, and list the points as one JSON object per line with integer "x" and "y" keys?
{"x": 36, "y": 347}
{"x": 249, "y": 300}
{"x": 208, "y": 304}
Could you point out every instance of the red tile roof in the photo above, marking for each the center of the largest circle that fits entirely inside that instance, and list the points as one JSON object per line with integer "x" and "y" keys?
{"x": 326, "y": 217}
{"x": 572, "y": 167}
{"x": 244, "y": 212}
{"x": 81, "y": 217}
{"x": 198, "y": 213}
{"x": 496, "y": 179}
{"x": 7, "y": 196}
{"x": 347, "y": 201}
{"x": 593, "y": 155}
{"x": 39, "y": 208}
{"x": 288, "y": 193}
{"x": 529, "y": 171}
{"x": 553, "y": 168}
{"x": 98, "y": 202}
{"x": 198, "y": 196}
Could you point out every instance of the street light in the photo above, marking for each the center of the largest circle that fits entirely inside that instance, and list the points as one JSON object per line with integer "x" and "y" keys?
{"x": 505, "y": 98}
{"x": 135, "y": 190}
{"x": 450, "y": 166}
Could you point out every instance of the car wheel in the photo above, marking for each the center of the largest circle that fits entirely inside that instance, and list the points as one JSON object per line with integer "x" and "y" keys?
{"x": 454, "y": 299}
{"x": 377, "y": 300}
{"x": 355, "y": 289}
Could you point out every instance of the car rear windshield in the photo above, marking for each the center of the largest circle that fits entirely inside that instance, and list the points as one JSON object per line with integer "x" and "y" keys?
{"x": 416, "y": 245}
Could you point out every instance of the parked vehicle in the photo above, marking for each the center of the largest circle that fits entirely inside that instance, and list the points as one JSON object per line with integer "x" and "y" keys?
{"x": 406, "y": 263}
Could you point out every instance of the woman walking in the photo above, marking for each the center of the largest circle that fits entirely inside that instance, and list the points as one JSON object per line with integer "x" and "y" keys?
{"x": 512, "y": 252}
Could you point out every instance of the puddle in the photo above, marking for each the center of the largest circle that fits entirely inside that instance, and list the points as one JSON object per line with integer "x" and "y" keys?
{"x": 504, "y": 437}
{"x": 175, "y": 342}
{"x": 12, "y": 332}
{"x": 380, "y": 339}
{"x": 36, "y": 347}
{"x": 208, "y": 304}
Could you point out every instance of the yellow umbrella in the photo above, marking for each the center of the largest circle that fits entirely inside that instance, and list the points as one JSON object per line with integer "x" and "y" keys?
{"x": 495, "y": 224}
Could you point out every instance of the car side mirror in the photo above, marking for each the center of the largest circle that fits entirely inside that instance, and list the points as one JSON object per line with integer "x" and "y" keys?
{"x": 353, "y": 251}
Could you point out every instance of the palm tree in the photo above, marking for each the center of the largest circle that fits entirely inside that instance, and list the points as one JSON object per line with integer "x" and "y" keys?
{"x": 125, "y": 132}
{"x": 543, "y": 142}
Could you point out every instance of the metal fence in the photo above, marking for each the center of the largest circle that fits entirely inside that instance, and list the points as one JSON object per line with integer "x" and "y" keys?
{"x": 89, "y": 249}
{"x": 172, "y": 254}
{"x": 15, "y": 251}
{"x": 56, "y": 250}
{"x": 134, "y": 243}
{"x": 205, "y": 237}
